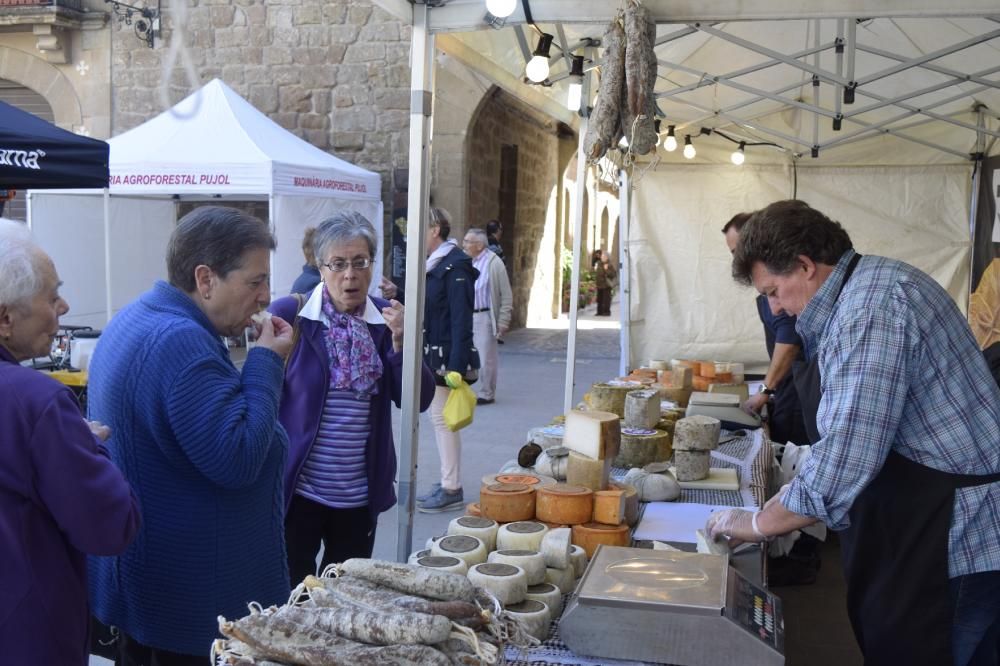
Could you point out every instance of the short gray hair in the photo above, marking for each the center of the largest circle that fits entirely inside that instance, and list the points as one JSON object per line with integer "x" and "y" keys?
{"x": 343, "y": 227}
{"x": 18, "y": 264}
{"x": 479, "y": 235}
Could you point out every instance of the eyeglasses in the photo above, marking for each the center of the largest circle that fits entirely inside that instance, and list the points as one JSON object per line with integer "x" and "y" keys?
{"x": 341, "y": 265}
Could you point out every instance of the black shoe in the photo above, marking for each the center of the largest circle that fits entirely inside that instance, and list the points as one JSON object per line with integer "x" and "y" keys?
{"x": 484, "y": 401}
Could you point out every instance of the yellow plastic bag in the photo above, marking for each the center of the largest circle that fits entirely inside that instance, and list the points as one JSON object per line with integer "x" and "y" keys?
{"x": 461, "y": 402}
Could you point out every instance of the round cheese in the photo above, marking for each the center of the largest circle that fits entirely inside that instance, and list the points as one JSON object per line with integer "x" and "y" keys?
{"x": 564, "y": 504}
{"x": 696, "y": 433}
{"x": 578, "y": 556}
{"x": 483, "y": 528}
{"x": 533, "y": 615}
{"x": 522, "y": 535}
{"x": 532, "y": 562}
{"x": 468, "y": 548}
{"x": 508, "y": 583}
{"x": 692, "y": 465}
{"x": 548, "y": 594}
{"x": 416, "y": 555}
{"x": 640, "y": 447}
{"x": 433, "y": 540}
{"x": 532, "y": 480}
{"x": 555, "y": 548}
{"x": 564, "y": 579}
{"x": 444, "y": 563}
{"x": 610, "y": 397}
{"x": 591, "y": 535}
{"x": 472, "y": 509}
{"x": 507, "y": 502}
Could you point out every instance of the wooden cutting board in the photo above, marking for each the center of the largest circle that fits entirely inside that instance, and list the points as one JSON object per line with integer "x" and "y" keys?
{"x": 719, "y": 478}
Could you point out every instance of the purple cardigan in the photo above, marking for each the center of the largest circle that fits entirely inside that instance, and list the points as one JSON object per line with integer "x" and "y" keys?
{"x": 307, "y": 378}
{"x": 61, "y": 497}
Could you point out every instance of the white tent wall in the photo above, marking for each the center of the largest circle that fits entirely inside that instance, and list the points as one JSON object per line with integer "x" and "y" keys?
{"x": 293, "y": 215}
{"x": 684, "y": 302}
{"x": 70, "y": 228}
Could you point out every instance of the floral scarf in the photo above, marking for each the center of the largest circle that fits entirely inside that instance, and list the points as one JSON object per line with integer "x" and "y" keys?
{"x": 354, "y": 362}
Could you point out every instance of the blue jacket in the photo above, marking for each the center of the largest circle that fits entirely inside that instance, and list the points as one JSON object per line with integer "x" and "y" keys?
{"x": 201, "y": 445}
{"x": 307, "y": 379}
{"x": 307, "y": 280}
{"x": 60, "y": 497}
{"x": 448, "y": 305}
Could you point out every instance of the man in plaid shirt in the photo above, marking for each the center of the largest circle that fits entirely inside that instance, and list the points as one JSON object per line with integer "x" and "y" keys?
{"x": 906, "y": 431}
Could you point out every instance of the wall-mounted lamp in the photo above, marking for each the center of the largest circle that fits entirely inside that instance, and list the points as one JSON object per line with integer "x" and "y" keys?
{"x": 537, "y": 69}
{"x": 689, "y": 151}
{"x": 146, "y": 26}
{"x": 670, "y": 142}
{"x": 573, "y": 98}
{"x": 501, "y": 8}
{"x": 739, "y": 155}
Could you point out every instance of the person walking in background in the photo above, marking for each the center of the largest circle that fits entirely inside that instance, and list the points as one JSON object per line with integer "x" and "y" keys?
{"x": 61, "y": 497}
{"x": 605, "y": 277}
{"x": 448, "y": 346}
{"x": 491, "y": 310}
{"x": 341, "y": 380}
{"x": 494, "y": 231}
{"x": 198, "y": 440}
{"x": 309, "y": 277}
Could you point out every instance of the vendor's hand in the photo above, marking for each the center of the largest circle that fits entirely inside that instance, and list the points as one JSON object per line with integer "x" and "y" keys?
{"x": 393, "y": 316}
{"x": 755, "y": 403}
{"x": 736, "y": 524}
{"x": 275, "y": 334}
{"x": 388, "y": 288}
{"x": 100, "y": 431}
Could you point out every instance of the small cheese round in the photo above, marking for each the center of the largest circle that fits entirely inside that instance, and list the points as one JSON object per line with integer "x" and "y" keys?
{"x": 564, "y": 579}
{"x": 531, "y": 479}
{"x": 433, "y": 540}
{"x": 508, "y": 583}
{"x": 555, "y": 548}
{"x": 564, "y": 504}
{"x": 578, "y": 556}
{"x": 483, "y": 528}
{"x": 507, "y": 502}
{"x": 533, "y": 615}
{"x": 468, "y": 548}
{"x": 532, "y": 562}
{"x": 417, "y": 554}
{"x": 444, "y": 563}
{"x": 592, "y": 535}
{"x": 548, "y": 594}
{"x": 472, "y": 509}
{"x": 522, "y": 535}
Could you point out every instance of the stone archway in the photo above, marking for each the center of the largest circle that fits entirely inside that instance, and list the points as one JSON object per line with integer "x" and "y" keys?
{"x": 45, "y": 79}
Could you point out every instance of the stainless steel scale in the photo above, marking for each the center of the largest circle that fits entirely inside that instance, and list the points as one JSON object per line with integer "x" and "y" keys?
{"x": 687, "y": 609}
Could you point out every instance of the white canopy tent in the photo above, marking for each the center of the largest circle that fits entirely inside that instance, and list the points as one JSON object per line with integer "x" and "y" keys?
{"x": 212, "y": 146}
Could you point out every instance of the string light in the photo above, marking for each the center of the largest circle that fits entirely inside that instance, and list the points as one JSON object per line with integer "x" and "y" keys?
{"x": 670, "y": 142}
{"x": 739, "y": 155}
{"x": 689, "y": 151}
{"x": 537, "y": 69}
{"x": 501, "y": 8}
{"x": 573, "y": 99}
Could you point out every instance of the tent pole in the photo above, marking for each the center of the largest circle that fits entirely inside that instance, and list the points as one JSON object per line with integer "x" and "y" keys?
{"x": 421, "y": 105}
{"x": 625, "y": 272}
{"x": 974, "y": 203}
{"x": 107, "y": 252}
{"x": 274, "y": 230}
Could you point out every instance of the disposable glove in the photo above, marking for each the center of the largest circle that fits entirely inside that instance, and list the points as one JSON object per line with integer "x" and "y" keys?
{"x": 735, "y": 524}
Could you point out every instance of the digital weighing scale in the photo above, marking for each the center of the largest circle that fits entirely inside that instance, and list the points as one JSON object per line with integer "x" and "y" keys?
{"x": 722, "y": 406}
{"x": 687, "y": 609}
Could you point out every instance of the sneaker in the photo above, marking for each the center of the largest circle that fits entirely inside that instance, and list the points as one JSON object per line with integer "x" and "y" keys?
{"x": 443, "y": 500}
{"x": 429, "y": 494}
{"x": 485, "y": 401}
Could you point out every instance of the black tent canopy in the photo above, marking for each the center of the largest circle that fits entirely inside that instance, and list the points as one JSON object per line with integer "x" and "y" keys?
{"x": 38, "y": 155}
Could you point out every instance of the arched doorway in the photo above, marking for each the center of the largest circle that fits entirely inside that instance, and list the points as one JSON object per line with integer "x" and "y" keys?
{"x": 26, "y": 99}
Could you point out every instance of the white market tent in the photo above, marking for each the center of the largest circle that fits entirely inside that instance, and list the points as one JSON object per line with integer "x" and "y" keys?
{"x": 905, "y": 104}
{"x": 212, "y": 146}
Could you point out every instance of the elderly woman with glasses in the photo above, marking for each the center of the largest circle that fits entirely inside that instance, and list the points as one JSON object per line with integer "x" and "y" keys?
{"x": 343, "y": 374}
{"x": 61, "y": 497}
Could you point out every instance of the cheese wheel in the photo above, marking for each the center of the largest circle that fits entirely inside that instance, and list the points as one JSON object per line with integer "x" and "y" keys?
{"x": 532, "y": 562}
{"x": 433, "y": 540}
{"x": 555, "y": 548}
{"x": 532, "y": 479}
{"x": 547, "y": 436}
{"x": 564, "y": 579}
{"x": 681, "y": 377}
{"x": 417, "y": 554}
{"x": 444, "y": 563}
{"x": 631, "y": 502}
{"x": 642, "y": 408}
{"x": 699, "y": 383}
{"x": 595, "y": 434}
{"x": 548, "y": 594}
{"x": 609, "y": 507}
{"x": 658, "y": 364}
{"x": 483, "y": 528}
{"x": 533, "y": 615}
{"x": 641, "y": 447}
{"x": 696, "y": 433}
{"x": 592, "y": 535}
{"x": 587, "y": 472}
{"x": 609, "y": 397}
{"x": 522, "y": 535}
{"x": 472, "y": 509}
{"x": 552, "y": 526}
{"x": 578, "y": 556}
{"x": 564, "y": 504}
{"x": 692, "y": 465}
{"x": 678, "y": 395}
{"x": 507, "y": 502}
{"x": 468, "y": 548}
{"x": 506, "y": 582}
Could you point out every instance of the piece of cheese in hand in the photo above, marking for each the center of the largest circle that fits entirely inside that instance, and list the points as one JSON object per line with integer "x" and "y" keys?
{"x": 706, "y": 545}
{"x": 260, "y": 317}
{"x": 594, "y": 434}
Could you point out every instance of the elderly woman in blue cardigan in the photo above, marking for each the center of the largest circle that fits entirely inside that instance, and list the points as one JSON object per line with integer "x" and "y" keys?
{"x": 343, "y": 375}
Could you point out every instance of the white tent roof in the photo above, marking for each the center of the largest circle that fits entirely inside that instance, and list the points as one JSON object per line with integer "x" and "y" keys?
{"x": 214, "y": 142}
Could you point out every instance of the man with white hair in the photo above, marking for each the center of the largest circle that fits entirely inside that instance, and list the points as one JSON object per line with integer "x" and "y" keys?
{"x": 491, "y": 311}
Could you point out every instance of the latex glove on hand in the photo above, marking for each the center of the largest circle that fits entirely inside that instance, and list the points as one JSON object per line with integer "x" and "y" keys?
{"x": 735, "y": 524}
{"x": 756, "y": 403}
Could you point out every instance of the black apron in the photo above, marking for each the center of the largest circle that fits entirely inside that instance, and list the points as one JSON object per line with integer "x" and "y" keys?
{"x": 895, "y": 552}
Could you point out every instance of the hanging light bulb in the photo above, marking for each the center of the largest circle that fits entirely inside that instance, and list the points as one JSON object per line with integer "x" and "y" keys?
{"x": 739, "y": 155}
{"x": 537, "y": 69}
{"x": 656, "y": 128}
{"x": 573, "y": 99}
{"x": 689, "y": 151}
{"x": 670, "y": 143}
{"x": 623, "y": 143}
{"x": 501, "y": 8}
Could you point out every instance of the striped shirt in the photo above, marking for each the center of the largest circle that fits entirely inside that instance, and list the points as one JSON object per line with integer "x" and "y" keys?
{"x": 334, "y": 474}
{"x": 482, "y": 298}
{"x": 900, "y": 371}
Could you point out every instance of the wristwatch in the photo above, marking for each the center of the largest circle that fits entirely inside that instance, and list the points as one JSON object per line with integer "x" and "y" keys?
{"x": 766, "y": 391}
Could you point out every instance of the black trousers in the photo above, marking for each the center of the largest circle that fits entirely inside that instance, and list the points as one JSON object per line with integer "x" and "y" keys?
{"x": 134, "y": 653}
{"x": 344, "y": 533}
{"x": 604, "y": 300}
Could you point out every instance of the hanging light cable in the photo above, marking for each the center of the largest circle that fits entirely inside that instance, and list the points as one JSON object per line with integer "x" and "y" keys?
{"x": 689, "y": 151}
{"x": 537, "y": 69}
{"x": 575, "y": 84}
{"x": 501, "y": 8}
{"x": 739, "y": 155}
